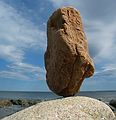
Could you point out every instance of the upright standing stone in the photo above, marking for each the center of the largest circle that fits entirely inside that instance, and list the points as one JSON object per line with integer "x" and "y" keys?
{"x": 67, "y": 60}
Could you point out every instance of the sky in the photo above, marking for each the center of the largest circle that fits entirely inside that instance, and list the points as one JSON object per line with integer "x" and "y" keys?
{"x": 23, "y": 42}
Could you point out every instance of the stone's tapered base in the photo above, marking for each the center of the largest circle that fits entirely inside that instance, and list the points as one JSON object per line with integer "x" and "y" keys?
{"x": 67, "y": 60}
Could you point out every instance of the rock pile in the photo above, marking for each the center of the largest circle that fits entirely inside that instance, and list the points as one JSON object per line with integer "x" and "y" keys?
{"x": 67, "y": 60}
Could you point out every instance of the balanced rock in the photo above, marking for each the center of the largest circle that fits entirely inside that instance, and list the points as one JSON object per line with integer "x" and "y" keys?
{"x": 67, "y": 60}
{"x": 70, "y": 108}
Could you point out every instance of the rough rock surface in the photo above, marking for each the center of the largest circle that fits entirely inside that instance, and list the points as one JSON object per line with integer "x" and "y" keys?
{"x": 67, "y": 60}
{"x": 71, "y": 108}
{"x": 113, "y": 103}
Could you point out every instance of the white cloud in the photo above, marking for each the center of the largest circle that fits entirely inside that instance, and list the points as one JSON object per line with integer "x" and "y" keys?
{"x": 103, "y": 79}
{"x": 23, "y": 71}
{"x": 13, "y": 75}
{"x": 108, "y": 70}
{"x": 18, "y": 32}
{"x": 11, "y": 53}
{"x": 101, "y": 38}
{"x": 24, "y": 67}
{"x": 28, "y": 68}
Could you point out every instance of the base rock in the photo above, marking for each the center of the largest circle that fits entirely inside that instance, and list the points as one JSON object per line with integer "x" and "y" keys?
{"x": 71, "y": 108}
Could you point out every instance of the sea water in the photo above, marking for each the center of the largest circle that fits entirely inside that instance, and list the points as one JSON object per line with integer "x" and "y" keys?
{"x": 106, "y": 95}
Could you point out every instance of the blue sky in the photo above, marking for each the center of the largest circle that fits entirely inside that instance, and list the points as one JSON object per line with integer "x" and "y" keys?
{"x": 23, "y": 42}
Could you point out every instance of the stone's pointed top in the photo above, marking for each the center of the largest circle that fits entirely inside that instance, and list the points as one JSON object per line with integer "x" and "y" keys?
{"x": 68, "y": 8}
{"x": 67, "y": 59}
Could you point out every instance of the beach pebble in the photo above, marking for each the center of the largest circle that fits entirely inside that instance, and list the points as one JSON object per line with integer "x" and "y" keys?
{"x": 4, "y": 103}
{"x": 112, "y": 108}
{"x": 113, "y": 103}
{"x": 70, "y": 108}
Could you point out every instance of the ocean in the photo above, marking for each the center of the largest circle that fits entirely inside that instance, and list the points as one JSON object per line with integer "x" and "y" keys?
{"x": 104, "y": 95}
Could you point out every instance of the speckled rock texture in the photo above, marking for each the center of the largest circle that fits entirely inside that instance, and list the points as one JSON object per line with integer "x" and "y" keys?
{"x": 67, "y": 59}
{"x": 71, "y": 108}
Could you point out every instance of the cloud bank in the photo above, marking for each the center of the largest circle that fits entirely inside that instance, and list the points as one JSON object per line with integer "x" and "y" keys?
{"x": 17, "y": 35}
